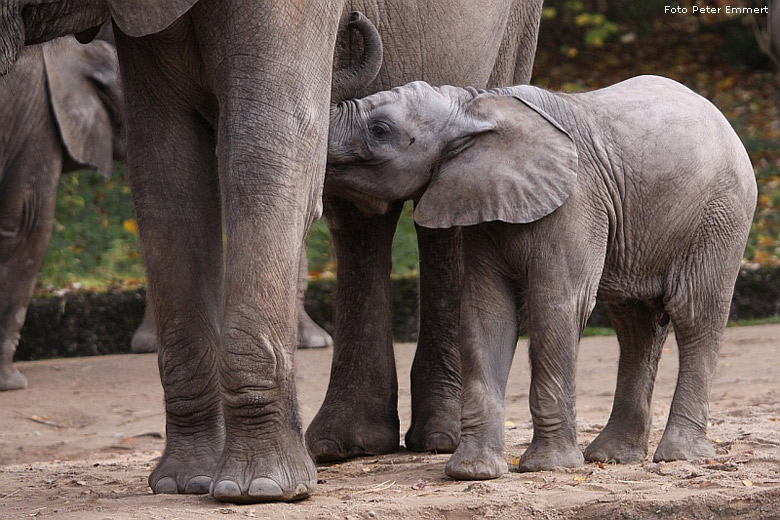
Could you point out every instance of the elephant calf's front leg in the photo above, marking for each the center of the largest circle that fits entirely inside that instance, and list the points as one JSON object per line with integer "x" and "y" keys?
{"x": 487, "y": 336}
{"x": 555, "y": 325}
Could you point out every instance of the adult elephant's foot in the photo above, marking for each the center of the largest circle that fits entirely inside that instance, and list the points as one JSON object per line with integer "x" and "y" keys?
{"x": 547, "y": 454}
{"x": 435, "y": 428}
{"x": 143, "y": 341}
{"x": 614, "y": 445}
{"x": 282, "y": 473}
{"x": 683, "y": 443}
{"x": 345, "y": 431}
{"x": 476, "y": 460}
{"x": 12, "y": 379}
{"x": 186, "y": 470}
{"x": 311, "y": 335}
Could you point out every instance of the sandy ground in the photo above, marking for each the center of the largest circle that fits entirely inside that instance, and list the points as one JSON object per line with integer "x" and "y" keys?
{"x": 81, "y": 440}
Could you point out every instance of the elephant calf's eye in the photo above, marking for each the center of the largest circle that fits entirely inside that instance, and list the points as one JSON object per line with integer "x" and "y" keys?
{"x": 380, "y": 129}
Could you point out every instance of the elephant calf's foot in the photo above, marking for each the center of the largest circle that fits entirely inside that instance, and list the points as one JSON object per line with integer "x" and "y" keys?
{"x": 190, "y": 475}
{"x": 12, "y": 379}
{"x": 283, "y": 474}
{"x": 548, "y": 455}
{"x": 610, "y": 446}
{"x": 344, "y": 434}
{"x": 677, "y": 446}
{"x": 473, "y": 461}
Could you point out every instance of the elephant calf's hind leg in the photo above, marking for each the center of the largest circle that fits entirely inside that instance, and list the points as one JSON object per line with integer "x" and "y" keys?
{"x": 641, "y": 331}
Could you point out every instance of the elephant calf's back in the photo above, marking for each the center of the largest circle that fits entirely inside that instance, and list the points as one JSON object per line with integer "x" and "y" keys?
{"x": 681, "y": 185}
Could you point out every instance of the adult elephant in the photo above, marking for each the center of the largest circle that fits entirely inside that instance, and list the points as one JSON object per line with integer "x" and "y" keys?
{"x": 60, "y": 112}
{"x": 228, "y": 106}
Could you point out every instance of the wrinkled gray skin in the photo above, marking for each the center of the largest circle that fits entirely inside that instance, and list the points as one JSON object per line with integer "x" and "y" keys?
{"x": 639, "y": 195}
{"x": 228, "y": 105}
{"x": 60, "y": 112}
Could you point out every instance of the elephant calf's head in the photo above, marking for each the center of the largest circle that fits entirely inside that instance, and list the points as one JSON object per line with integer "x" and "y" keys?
{"x": 467, "y": 157}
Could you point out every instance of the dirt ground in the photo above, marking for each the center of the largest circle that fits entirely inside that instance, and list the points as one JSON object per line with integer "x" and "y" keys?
{"x": 81, "y": 440}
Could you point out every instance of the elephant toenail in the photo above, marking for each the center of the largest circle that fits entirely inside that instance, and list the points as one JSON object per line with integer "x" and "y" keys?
{"x": 226, "y": 490}
{"x": 325, "y": 450}
{"x": 302, "y": 491}
{"x": 166, "y": 486}
{"x": 198, "y": 485}
{"x": 265, "y": 487}
{"x": 440, "y": 443}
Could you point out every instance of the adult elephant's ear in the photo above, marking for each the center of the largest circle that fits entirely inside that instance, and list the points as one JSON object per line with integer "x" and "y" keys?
{"x": 82, "y": 82}
{"x": 142, "y": 17}
{"x": 510, "y": 162}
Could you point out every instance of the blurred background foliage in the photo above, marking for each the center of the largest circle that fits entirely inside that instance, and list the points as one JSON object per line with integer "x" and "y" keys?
{"x": 584, "y": 44}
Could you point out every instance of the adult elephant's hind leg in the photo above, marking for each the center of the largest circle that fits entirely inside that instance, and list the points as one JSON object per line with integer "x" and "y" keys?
{"x": 176, "y": 196}
{"x": 360, "y": 413}
{"x": 436, "y": 370}
{"x": 641, "y": 330}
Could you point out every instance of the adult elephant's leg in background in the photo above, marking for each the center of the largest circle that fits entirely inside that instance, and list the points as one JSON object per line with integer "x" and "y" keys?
{"x": 272, "y": 142}
{"x": 436, "y": 369}
{"x": 359, "y": 415}
{"x": 28, "y": 194}
{"x": 310, "y": 335}
{"x": 173, "y": 176}
{"x": 144, "y": 338}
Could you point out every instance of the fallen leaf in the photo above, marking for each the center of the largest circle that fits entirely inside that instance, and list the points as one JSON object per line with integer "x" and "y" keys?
{"x": 747, "y": 483}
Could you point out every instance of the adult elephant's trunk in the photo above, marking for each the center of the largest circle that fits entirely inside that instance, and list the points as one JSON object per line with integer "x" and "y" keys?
{"x": 348, "y": 83}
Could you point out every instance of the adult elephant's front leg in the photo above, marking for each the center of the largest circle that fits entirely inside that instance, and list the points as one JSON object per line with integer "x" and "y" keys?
{"x": 269, "y": 66}
{"x": 360, "y": 413}
{"x": 173, "y": 176}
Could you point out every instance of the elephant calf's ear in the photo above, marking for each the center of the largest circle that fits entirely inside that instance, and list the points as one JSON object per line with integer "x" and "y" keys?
{"x": 521, "y": 171}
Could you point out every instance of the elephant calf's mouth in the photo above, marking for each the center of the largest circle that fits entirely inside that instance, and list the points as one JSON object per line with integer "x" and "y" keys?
{"x": 366, "y": 203}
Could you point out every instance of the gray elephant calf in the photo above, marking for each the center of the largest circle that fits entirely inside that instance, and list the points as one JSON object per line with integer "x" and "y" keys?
{"x": 639, "y": 195}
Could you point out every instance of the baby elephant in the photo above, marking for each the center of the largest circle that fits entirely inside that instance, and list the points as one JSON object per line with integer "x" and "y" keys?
{"x": 639, "y": 195}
